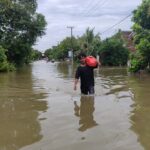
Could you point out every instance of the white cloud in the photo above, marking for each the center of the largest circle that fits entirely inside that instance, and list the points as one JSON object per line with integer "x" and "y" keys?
{"x": 81, "y": 14}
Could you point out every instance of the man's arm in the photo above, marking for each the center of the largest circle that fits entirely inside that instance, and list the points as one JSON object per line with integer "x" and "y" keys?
{"x": 99, "y": 63}
{"x": 75, "y": 84}
{"x": 77, "y": 76}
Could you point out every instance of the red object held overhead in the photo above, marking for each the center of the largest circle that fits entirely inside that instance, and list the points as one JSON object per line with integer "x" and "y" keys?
{"x": 91, "y": 61}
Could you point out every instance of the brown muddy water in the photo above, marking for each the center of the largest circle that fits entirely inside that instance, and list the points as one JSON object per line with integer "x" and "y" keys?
{"x": 40, "y": 111}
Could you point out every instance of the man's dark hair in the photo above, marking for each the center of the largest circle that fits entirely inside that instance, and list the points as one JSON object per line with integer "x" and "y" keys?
{"x": 81, "y": 55}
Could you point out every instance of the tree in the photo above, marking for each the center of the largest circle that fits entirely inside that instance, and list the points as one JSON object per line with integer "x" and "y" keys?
{"x": 20, "y": 26}
{"x": 61, "y": 50}
{"x": 142, "y": 15}
{"x": 113, "y": 53}
{"x": 49, "y": 53}
{"x": 90, "y": 42}
{"x": 141, "y": 28}
{"x": 36, "y": 55}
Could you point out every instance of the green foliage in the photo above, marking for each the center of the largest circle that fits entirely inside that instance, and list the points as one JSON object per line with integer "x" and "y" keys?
{"x": 144, "y": 49}
{"x": 4, "y": 65}
{"x": 3, "y": 56}
{"x": 137, "y": 63}
{"x": 60, "y": 52}
{"x": 113, "y": 53}
{"x": 90, "y": 42}
{"x": 142, "y": 15}
{"x": 20, "y": 26}
{"x": 36, "y": 55}
{"x": 49, "y": 54}
{"x": 141, "y": 27}
{"x": 3, "y": 60}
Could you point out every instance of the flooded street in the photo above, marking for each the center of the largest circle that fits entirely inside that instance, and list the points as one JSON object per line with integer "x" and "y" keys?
{"x": 40, "y": 111}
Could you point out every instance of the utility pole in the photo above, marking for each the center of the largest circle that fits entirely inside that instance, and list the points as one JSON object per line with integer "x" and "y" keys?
{"x": 71, "y": 29}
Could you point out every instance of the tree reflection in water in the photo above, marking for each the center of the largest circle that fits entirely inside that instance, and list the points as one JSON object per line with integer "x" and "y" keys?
{"x": 140, "y": 117}
{"x": 20, "y": 106}
{"x": 85, "y": 112}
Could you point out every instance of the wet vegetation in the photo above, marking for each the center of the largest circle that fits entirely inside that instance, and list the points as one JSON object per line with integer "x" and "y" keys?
{"x": 20, "y": 25}
{"x": 111, "y": 50}
{"x": 141, "y": 28}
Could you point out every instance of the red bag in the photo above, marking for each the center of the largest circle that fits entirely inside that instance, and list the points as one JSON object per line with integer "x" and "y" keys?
{"x": 91, "y": 61}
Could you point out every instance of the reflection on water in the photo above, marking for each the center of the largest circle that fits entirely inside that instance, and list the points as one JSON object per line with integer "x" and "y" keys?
{"x": 85, "y": 112}
{"x": 66, "y": 70}
{"x": 19, "y": 110}
{"x": 40, "y": 111}
{"x": 116, "y": 82}
{"x": 141, "y": 114}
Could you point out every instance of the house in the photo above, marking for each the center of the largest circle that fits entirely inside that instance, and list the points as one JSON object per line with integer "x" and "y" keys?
{"x": 127, "y": 36}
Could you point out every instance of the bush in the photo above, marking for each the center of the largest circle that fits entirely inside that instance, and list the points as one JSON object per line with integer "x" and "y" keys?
{"x": 3, "y": 56}
{"x": 113, "y": 53}
{"x": 4, "y": 64}
{"x": 137, "y": 63}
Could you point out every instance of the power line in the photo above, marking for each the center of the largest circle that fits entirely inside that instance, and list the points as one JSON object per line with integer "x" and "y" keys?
{"x": 116, "y": 24}
{"x": 96, "y": 6}
{"x": 90, "y": 6}
{"x": 85, "y": 8}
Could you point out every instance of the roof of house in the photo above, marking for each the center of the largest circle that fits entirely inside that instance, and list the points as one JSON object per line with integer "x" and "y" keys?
{"x": 128, "y": 37}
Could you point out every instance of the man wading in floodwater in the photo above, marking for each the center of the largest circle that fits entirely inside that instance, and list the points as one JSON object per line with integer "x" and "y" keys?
{"x": 86, "y": 76}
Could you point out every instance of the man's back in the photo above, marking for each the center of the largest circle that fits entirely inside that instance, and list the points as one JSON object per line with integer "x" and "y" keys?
{"x": 86, "y": 76}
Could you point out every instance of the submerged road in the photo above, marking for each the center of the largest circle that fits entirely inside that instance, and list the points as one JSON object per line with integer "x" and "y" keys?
{"x": 40, "y": 111}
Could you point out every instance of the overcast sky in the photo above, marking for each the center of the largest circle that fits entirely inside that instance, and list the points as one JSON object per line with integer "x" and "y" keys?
{"x": 98, "y": 14}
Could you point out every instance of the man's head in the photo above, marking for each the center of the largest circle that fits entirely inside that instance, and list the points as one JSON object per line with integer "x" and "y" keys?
{"x": 81, "y": 58}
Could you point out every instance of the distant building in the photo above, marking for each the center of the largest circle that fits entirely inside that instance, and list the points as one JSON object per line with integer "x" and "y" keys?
{"x": 127, "y": 36}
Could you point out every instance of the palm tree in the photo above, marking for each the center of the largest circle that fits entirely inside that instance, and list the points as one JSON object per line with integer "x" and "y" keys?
{"x": 91, "y": 42}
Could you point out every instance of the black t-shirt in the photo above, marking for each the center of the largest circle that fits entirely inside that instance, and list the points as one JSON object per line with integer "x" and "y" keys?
{"x": 86, "y": 75}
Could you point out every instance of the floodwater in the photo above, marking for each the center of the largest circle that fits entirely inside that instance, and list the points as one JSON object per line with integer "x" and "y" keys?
{"x": 40, "y": 111}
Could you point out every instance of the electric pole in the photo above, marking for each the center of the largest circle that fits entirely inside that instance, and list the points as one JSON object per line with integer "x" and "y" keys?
{"x": 71, "y": 29}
